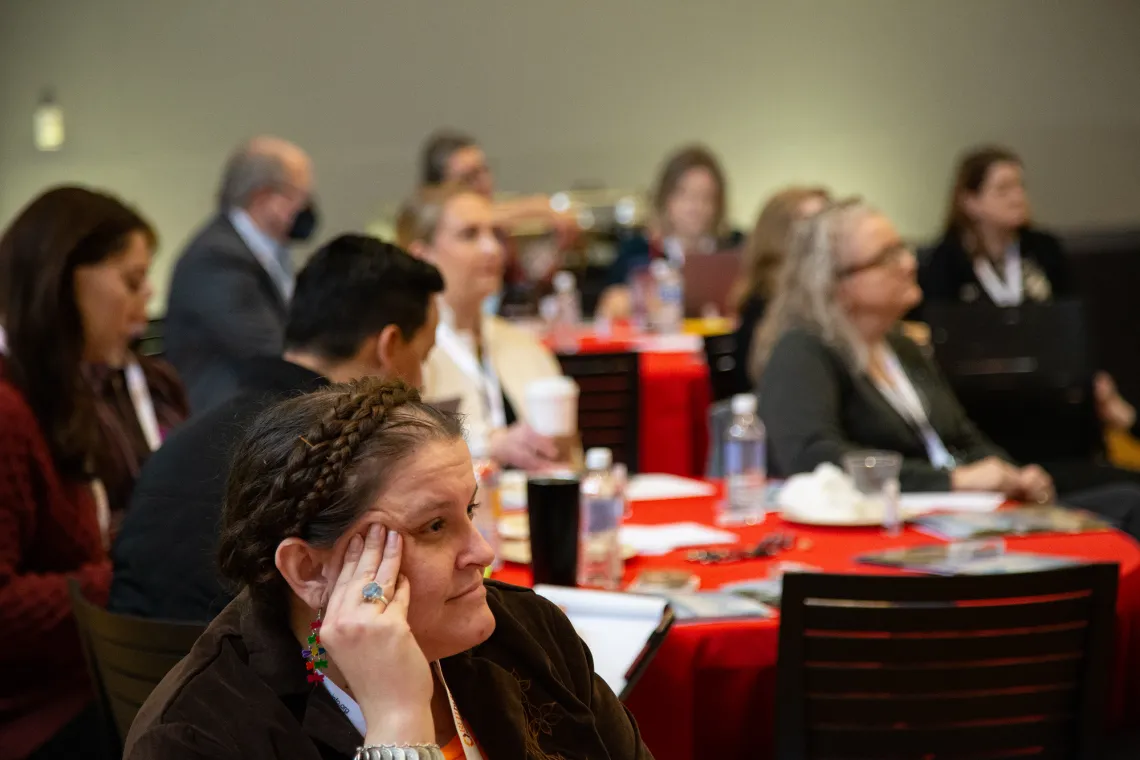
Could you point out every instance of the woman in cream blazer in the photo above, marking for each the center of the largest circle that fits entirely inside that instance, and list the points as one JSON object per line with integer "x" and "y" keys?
{"x": 483, "y": 361}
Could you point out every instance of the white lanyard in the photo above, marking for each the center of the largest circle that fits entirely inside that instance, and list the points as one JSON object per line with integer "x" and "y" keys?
{"x": 900, "y": 394}
{"x": 102, "y": 510}
{"x": 355, "y": 715}
{"x": 1003, "y": 291}
{"x": 483, "y": 374}
{"x": 139, "y": 392}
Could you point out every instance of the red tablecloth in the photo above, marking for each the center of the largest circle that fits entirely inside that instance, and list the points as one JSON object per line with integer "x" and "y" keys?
{"x": 710, "y": 691}
{"x": 675, "y": 397}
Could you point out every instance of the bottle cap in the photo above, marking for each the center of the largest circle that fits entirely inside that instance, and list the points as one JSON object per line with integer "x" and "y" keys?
{"x": 599, "y": 459}
{"x": 564, "y": 281}
{"x": 744, "y": 403}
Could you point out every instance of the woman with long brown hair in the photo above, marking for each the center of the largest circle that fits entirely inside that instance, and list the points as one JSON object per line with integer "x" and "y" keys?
{"x": 763, "y": 260}
{"x": 80, "y": 414}
{"x": 992, "y": 253}
{"x": 689, "y": 218}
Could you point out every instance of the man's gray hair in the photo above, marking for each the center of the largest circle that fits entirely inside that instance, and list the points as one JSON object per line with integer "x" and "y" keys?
{"x": 249, "y": 169}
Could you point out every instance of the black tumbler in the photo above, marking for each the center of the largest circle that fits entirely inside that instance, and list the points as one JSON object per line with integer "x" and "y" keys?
{"x": 552, "y": 504}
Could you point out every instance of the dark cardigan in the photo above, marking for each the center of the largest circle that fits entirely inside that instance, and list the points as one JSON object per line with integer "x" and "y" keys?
{"x": 947, "y": 273}
{"x": 529, "y": 691}
{"x": 816, "y": 409}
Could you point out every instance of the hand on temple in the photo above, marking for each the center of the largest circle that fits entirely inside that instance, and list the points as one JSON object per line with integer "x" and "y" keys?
{"x": 371, "y": 646}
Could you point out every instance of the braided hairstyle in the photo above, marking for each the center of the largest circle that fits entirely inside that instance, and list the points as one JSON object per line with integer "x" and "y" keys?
{"x": 312, "y": 465}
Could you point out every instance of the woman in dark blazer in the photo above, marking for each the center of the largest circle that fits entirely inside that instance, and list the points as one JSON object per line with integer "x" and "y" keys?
{"x": 991, "y": 254}
{"x": 838, "y": 375}
{"x": 365, "y": 620}
{"x": 689, "y": 207}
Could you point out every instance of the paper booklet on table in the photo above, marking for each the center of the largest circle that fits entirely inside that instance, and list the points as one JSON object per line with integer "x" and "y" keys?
{"x": 715, "y": 605}
{"x": 964, "y": 558}
{"x": 1021, "y": 521}
{"x": 623, "y": 631}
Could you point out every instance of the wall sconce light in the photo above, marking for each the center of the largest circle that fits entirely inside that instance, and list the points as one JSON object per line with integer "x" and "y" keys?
{"x": 47, "y": 123}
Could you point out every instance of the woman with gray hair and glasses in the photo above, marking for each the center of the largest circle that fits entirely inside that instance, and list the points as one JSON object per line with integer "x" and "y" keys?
{"x": 837, "y": 374}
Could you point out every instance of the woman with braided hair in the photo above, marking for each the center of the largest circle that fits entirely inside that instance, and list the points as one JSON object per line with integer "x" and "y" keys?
{"x": 364, "y": 622}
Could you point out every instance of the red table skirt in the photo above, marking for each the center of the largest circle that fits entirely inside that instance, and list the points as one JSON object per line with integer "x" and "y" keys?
{"x": 675, "y": 397}
{"x": 711, "y": 689}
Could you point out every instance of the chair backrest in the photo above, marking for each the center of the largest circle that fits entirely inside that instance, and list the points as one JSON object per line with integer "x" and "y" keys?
{"x": 997, "y": 666}
{"x": 609, "y": 402}
{"x": 724, "y": 376}
{"x": 127, "y": 656}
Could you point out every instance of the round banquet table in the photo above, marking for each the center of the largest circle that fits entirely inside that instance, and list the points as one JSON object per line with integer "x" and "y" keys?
{"x": 711, "y": 688}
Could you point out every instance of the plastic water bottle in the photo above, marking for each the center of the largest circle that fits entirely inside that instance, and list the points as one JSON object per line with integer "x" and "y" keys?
{"x": 745, "y": 466}
{"x": 569, "y": 302}
{"x": 669, "y": 314}
{"x": 599, "y": 547}
{"x": 566, "y": 312}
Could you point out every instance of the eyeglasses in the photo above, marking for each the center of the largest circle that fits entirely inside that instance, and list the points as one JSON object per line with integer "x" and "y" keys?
{"x": 889, "y": 256}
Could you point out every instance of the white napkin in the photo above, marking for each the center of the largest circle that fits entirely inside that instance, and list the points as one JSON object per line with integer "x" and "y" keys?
{"x": 652, "y": 487}
{"x": 655, "y": 540}
{"x": 827, "y": 495}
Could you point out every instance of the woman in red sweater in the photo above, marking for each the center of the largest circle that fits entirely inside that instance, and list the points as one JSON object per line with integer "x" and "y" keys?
{"x": 78, "y": 415}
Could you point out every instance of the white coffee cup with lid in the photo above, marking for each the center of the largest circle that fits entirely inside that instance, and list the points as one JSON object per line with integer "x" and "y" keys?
{"x": 552, "y": 406}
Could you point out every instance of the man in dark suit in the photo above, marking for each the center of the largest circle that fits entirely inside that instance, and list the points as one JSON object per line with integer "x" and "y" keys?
{"x": 232, "y": 285}
{"x": 361, "y": 308}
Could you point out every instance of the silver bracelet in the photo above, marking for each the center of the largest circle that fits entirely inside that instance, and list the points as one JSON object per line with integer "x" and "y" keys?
{"x": 399, "y": 752}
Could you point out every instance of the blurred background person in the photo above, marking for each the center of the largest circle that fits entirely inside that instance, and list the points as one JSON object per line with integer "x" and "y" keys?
{"x": 361, "y": 308}
{"x": 231, "y": 286}
{"x": 482, "y": 360}
{"x": 450, "y": 156}
{"x": 762, "y": 262}
{"x": 79, "y": 414}
{"x": 990, "y": 252}
{"x": 837, "y": 374}
{"x": 689, "y": 207}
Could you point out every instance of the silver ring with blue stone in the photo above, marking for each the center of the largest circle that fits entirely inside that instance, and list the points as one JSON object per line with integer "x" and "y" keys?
{"x": 374, "y": 592}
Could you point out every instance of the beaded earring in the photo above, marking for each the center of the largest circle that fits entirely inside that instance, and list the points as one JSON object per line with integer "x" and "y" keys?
{"x": 314, "y": 654}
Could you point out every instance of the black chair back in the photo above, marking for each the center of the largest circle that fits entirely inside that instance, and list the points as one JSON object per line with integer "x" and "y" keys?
{"x": 997, "y": 666}
{"x": 127, "y": 656}
{"x": 609, "y": 402}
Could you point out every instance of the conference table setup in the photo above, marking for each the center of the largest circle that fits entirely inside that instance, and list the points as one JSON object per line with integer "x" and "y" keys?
{"x": 711, "y": 686}
{"x": 710, "y": 683}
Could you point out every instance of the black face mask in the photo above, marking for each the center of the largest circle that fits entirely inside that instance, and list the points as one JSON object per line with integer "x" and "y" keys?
{"x": 304, "y": 223}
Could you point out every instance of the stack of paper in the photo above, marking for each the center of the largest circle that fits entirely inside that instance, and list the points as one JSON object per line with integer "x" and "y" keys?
{"x": 655, "y": 540}
{"x": 616, "y": 627}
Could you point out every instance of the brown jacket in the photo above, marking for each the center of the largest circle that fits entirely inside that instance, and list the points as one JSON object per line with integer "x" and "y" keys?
{"x": 527, "y": 692}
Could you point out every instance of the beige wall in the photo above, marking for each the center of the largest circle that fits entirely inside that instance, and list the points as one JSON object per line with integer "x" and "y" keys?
{"x": 874, "y": 96}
